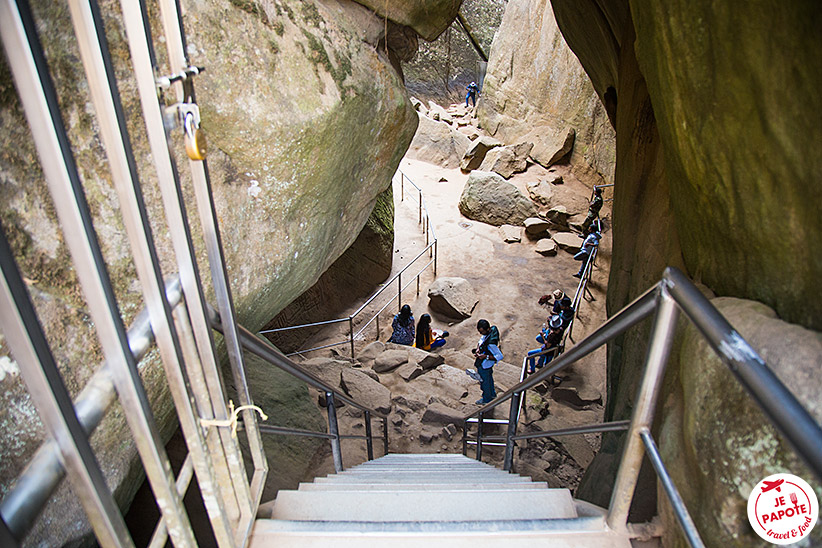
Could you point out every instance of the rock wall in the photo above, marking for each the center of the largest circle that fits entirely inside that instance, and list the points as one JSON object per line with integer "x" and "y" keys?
{"x": 536, "y": 90}
{"x": 714, "y": 158}
{"x": 307, "y": 119}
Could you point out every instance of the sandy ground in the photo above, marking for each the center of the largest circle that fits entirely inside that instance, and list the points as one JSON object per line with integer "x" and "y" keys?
{"x": 508, "y": 279}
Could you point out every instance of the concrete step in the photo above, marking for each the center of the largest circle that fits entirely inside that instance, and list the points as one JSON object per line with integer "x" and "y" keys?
{"x": 396, "y": 479}
{"x": 559, "y": 533}
{"x": 410, "y": 506}
{"x": 337, "y": 486}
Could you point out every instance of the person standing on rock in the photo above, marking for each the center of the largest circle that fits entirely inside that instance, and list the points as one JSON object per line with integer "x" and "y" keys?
{"x": 473, "y": 90}
{"x": 487, "y": 353}
{"x": 427, "y": 338}
{"x": 403, "y": 327}
{"x": 593, "y": 209}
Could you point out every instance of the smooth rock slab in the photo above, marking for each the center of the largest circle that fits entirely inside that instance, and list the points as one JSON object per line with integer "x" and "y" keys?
{"x": 568, "y": 241}
{"x": 510, "y": 234}
{"x": 541, "y": 192}
{"x": 489, "y": 198}
{"x": 475, "y": 154}
{"x": 452, "y": 297}
{"x": 535, "y": 225}
{"x": 366, "y": 391}
{"x": 390, "y": 359}
{"x": 438, "y": 413}
{"x": 558, "y": 215}
{"x": 409, "y": 371}
{"x": 547, "y": 247}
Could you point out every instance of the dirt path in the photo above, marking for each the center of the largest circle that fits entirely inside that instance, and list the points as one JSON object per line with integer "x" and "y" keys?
{"x": 508, "y": 279}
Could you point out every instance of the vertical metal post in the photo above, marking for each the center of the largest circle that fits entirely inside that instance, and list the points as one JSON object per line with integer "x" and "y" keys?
{"x": 427, "y": 220}
{"x": 418, "y": 285}
{"x": 479, "y": 437}
{"x": 402, "y": 186}
{"x": 25, "y": 336}
{"x": 369, "y": 446}
{"x": 465, "y": 437}
{"x": 378, "y": 328}
{"x": 513, "y": 415}
{"x": 385, "y": 436}
{"x": 351, "y": 334}
{"x": 334, "y": 430}
{"x": 662, "y": 335}
{"x": 435, "y": 258}
{"x": 399, "y": 291}
{"x": 420, "y": 197}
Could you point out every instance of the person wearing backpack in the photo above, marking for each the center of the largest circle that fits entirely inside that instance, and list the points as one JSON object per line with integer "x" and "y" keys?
{"x": 487, "y": 353}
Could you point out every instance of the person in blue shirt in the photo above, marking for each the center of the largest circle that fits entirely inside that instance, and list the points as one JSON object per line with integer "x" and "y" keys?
{"x": 487, "y": 353}
{"x": 473, "y": 90}
{"x": 591, "y": 241}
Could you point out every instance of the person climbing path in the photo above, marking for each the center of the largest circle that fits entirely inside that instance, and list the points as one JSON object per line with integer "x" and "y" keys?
{"x": 473, "y": 91}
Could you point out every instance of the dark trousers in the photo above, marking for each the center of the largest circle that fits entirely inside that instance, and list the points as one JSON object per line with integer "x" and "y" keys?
{"x": 487, "y": 383}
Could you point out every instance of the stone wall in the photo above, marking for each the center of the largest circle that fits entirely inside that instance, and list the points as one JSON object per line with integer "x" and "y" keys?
{"x": 714, "y": 169}
{"x": 536, "y": 90}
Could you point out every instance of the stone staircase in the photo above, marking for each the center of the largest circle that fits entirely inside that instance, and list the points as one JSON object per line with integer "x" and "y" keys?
{"x": 431, "y": 500}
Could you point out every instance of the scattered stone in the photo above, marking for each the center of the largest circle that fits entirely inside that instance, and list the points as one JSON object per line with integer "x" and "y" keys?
{"x": 371, "y": 351}
{"x": 397, "y": 421}
{"x": 390, "y": 359}
{"x": 409, "y": 371}
{"x": 366, "y": 391}
{"x": 535, "y": 225}
{"x": 454, "y": 375}
{"x": 575, "y": 222}
{"x": 416, "y": 103}
{"x": 438, "y": 113}
{"x": 473, "y": 157}
{"x": 568, "y": 241}
{"x": 570, "y": 396}
{"x": 558, "y": 215}
{"x": 431, "y": 361}
{"x": 579, "y": 449}
{"x": 371, "y": 373}
{"x": 427, "y": 436}
{"x": 552, "y": 457}
{"x": 327, "y": 370}
{"x": 556, "y": 179}
{"x": 489, "y": 198}
{"x": 507, "y": 160}
{"x": 438, "y": 144}
{"x": 438, "y": 413}
{"x": 442, "y": 180}
{"x": 540, "y": 192}
{"x": 470, "y": 132}
{"x": 444, "y": 447}
{"x": 452, "y": 297}
{"x": 510, "y": 234}
{"x": 413, "y": 405}
{"x": 449, "y": 431}
{"x": 564, "y": 149}
{"x": 547, "y": 247}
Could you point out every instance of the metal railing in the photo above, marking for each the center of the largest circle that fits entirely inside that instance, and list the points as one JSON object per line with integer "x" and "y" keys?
{"x": 176, "y": 320}
{"x": 374, "y": 317}
{"x": 672, "y": 295}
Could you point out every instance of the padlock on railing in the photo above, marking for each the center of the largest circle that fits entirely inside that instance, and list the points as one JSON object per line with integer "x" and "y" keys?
{"x": 194, "y": 137}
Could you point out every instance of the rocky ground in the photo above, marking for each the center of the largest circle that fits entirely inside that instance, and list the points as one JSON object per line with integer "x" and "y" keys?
{"x": 427, "y": 394}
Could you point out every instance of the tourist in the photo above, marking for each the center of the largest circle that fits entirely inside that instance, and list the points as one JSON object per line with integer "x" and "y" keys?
{"x": 403, "y": 327}
{"x": 593, "y": 209}
{"x": 427, "y": 338}
{"x": 473, "y": 90}
{"x": 566, "y": 312}
{"x": 550, "y": 337}
{"x": 487, "y": 353}
{"x": 591, "y": 241}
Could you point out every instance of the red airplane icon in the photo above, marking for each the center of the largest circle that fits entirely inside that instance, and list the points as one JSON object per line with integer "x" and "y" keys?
{"x": 773, "y": 485}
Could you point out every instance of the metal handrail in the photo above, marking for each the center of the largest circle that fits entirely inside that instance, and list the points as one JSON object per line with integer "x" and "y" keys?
{"x": 672, "y": 294}
{"x": 430, "y": 248}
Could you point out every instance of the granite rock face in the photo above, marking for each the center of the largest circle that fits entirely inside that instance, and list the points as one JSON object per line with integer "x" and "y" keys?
{"x": 286, "y": 83}
{"x": 537, "y": 91}
{"x": 428, "y": 17}
{"x": 438, "y": 143}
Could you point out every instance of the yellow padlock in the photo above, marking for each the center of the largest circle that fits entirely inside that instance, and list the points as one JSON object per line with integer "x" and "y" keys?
{"x": 195, "y": 144}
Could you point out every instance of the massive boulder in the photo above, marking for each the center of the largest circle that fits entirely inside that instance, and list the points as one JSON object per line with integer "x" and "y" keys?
{"x": 428, "y": 17}
{"x": 438, "y": 143}
{"x": 694, "y": 189}
{"x": 489, "y": 198}
{"x": 286, "y": 83}
{"x": 508, "y": 160}
{"x": 537, "y": 91}
{"x": 475, "y": 154}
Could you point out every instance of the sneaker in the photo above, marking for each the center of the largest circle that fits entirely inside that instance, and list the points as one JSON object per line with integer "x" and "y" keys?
{"x": 473, "y": 374}
{"x": 577, "y": 275}
{"x": 444, "y": 334}
{"x": 480, "y": 402}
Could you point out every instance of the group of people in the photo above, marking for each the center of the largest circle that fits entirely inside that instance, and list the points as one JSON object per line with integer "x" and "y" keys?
{"x": 420, "y": 335}
{"x": 550, "y": 336}
{"x": 589, "y": 230}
